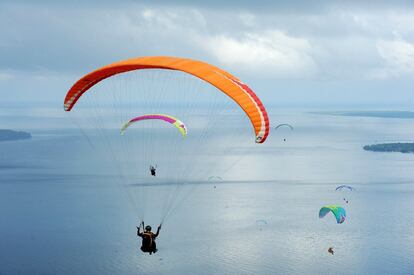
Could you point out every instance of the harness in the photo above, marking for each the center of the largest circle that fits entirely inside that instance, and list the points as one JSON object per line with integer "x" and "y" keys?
{"x": 149, "y": 235}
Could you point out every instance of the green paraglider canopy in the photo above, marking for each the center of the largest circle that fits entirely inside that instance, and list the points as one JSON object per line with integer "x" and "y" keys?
{"x": 336, "y": 210}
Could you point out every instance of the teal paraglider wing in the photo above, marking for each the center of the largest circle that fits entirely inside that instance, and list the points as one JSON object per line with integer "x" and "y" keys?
{"x": 336, "y": 210}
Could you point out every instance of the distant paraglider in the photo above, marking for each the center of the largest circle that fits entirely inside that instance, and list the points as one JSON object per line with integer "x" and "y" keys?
{"x": 153, "y": 170}
{"x": 261, "y": 224}
{"x": 336, "y": 210}
{"x": 330, "y": 250}
{"x": 341, "y": 187}
{"x": 215, "y": 178}
{"x": 284, "y": 125}
{"x": 172, "y": 120}
{"x": 344, "y": 188}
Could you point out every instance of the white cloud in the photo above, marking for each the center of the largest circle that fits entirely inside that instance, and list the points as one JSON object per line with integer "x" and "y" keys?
{"x": 398, "y": 56}
{"x": 173, "y": 19}
{"x": 329, "y": 50}
{"x": 272, "y": 53}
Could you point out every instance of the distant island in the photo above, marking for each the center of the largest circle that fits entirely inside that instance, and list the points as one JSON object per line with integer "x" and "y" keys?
{"x": 391, "y": 147}
{"x": 378, "y": 114}
{"x": 6, "y": 135}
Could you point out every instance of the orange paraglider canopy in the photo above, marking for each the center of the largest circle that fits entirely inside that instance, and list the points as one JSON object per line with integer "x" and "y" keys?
{"x": 222, "y": 80}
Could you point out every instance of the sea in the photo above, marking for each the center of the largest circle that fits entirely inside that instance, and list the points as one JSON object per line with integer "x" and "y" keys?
{"x": 63, "y": 212}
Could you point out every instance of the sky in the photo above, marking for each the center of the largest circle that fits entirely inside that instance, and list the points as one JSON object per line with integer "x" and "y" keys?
{"x": 292, "y": 53}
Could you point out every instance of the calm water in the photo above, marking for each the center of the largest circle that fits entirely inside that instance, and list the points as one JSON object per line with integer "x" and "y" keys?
{"x": 62, "y": 213}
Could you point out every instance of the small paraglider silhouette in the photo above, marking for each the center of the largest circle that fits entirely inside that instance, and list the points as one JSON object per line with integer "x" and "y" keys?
{"x": 261, "y": 224}
{"x": 345, "y": 188}
{"x": 330, "y": 250}
{"x": 215, "y": 178}
{"x": 350, "y": 188}
{"x": 284, "y": 125}
{"x": 153, "y": 170}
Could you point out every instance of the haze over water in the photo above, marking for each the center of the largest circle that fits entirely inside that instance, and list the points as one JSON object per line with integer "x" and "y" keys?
{"x": 61, "y": 214}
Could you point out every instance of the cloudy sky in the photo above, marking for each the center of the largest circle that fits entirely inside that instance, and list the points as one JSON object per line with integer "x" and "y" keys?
{"x": 296, "y": 54}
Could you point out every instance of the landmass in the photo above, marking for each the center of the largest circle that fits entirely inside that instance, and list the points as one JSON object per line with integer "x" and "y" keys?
{"x": 6, "y": 135}
{"x": 379, "y": 114}
{"x": 391, "y": 147}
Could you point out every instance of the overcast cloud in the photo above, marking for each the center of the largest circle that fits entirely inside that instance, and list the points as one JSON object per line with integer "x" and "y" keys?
{"x": 297, "y": 53}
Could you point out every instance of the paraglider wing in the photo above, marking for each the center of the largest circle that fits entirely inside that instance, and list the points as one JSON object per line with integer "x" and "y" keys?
{"x": 215, "y": 178}
{"x": 284, "y": 124}
{"x": 261, "y": 222}
{"x": 225, "y": 82}
{"x": 172, "y": 120}
{"x": 345, "y": 187}
{"x": 336, "y": 210}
